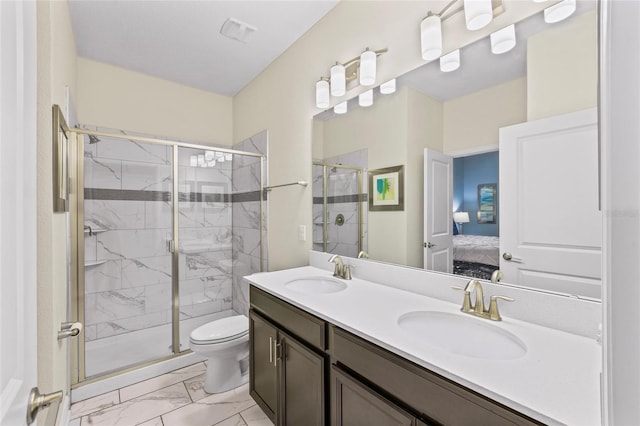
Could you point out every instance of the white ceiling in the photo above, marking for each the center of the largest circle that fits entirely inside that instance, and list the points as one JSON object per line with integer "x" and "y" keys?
{"x": 180, "y": 40}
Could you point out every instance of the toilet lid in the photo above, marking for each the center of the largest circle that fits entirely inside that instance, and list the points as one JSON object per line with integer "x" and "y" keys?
{"x": 221, "y": 330}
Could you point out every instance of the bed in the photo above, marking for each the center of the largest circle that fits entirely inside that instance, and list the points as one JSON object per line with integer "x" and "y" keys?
{"x": 476, "y": 255}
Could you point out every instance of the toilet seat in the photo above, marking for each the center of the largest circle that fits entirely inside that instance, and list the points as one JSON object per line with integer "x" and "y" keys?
{"x": 220, "y": 331}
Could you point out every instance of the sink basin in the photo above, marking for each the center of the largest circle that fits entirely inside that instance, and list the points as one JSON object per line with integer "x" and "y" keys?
{"x": 462, "y": 335}
{"x": 316, "y": 285}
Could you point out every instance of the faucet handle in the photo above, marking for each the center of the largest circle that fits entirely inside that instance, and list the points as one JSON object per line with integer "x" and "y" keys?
{"x": 346, "y": 272}
{"x": 494, "y": 314}
{"x": 466, "y": 302}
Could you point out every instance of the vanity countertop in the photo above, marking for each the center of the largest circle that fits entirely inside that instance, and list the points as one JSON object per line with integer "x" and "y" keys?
{"x": 557, "y": 381}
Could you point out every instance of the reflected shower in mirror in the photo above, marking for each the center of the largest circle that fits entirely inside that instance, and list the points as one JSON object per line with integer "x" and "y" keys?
{"x": 550, "y": 72}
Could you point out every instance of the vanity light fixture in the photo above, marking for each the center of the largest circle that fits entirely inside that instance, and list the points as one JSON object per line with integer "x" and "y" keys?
{"x": 359, "y": 70}
{"x": 559, "y": 11}
{"x": 388, "y": 87}
{"x": 322, "y": 93}
{"x": 193, "y": 161}
{"x": 503, "y": 40}
{"x": 450, "y": 61}
{"x": 201, "y": 161}
{"x": 338, "y": 80}
{"x": 431, "y": 37}
{"x": 209, "y": 155}
{"x": 341, "y": 108}
{"x": 228, "y": 156}
{"x": 365, "y": 99}
{"x": 477, "y": 13}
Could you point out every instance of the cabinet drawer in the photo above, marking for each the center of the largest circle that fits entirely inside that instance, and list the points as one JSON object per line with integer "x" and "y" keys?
{"x": 299, "y": 323}
{"x": 433, "y": 396}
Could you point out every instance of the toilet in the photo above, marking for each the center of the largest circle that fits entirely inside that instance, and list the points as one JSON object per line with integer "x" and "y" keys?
{"x": 225, "y": 344}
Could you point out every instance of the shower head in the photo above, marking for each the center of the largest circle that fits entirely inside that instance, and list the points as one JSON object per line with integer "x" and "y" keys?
{"x": 93, "y": 139}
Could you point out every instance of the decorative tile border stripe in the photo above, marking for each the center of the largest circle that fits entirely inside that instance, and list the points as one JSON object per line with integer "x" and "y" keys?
{"x": 353, "y": 198}
{"x": 197, "y": 197}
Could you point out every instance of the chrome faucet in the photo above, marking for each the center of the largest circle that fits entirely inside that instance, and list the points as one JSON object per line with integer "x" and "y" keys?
{"x": 478, "y": 308}
{"x": 341, "y": 270}
{"x": 496, "y": 276}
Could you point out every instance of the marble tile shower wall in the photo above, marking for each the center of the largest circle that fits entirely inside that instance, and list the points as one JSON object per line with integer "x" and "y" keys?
{"x": 128, "y": 275}
{"x": 342, "y": 190}
{"x": 246, "y": 218}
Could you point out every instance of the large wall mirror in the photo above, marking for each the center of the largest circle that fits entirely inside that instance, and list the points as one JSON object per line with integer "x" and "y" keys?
{"x": 490, "y": 209}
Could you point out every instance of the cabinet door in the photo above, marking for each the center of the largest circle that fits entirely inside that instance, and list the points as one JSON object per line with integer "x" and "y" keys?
{"x": 262, "y": 364}
{"x": 354, "y": 404}
{"x": 301, "y": 384}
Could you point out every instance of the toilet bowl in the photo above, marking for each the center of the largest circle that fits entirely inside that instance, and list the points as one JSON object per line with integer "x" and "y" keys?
{"x": 225, "y": 344}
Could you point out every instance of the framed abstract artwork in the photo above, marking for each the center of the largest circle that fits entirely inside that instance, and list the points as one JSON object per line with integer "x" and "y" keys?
{"x": 487, "y": 207}
{"x": 386, "y": 189}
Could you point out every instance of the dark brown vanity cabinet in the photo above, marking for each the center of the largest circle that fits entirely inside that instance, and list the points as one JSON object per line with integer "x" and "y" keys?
{"x": 287, "y": 373}
{"x": 307, "y": 372}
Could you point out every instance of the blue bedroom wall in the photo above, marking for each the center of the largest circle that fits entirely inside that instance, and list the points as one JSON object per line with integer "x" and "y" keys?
{"x": 468, "y": 173}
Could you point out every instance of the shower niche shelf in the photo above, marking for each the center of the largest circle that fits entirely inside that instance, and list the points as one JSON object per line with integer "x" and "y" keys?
{"x": 94, "y": 263}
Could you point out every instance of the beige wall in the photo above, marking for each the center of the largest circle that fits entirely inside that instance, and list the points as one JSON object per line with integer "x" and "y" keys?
{"x": 425, "y": 117}
{"x": 473, "y": 121}
{"x": 56, "y": 69}
{"x": 562, "y": 68}
{"x": 113, "y": 97}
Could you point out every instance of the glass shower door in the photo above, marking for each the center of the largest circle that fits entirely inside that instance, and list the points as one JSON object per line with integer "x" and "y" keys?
{"x": 128, "y": 263}
{"x": 204, "y": 237}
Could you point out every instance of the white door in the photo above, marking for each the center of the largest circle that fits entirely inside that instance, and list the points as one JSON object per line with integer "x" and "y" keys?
{"x": 550, "y": 223}
{"x": 17, "y": 209}
{"x": 438, "y": 206}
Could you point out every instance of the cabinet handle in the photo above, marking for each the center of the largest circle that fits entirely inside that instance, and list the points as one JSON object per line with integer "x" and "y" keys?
{"x": 277, "y": 352}
{"x": 270, "y": 350}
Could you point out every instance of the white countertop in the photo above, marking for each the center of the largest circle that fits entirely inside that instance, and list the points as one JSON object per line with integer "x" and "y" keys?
{"x": 557, "y": 381}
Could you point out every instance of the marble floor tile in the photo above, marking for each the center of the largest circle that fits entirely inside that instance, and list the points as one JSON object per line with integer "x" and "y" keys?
{"x": 160, "y": 382}
{"x": 254, "y": 416}
{"x": 141, "y": 409}
{"x": 232, "y": 421}
{"x": 195, "y": 387}
{"x": 96, "y": 403}
{"x": 212, "y": 409}
{"x": 153, "y": 422}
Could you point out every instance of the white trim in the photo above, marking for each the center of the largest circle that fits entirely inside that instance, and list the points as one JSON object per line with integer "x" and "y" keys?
{"x": 473, "y": 151}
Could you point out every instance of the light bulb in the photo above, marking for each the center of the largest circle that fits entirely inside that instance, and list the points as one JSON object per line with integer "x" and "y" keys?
{"x": 559, "y": 11}
{"x": 431, "y": 37}
{"x": 388, "y": 87}
{"x": 450, "y": 61}
{"x": 503, "y": 40}
{"x": 341, "y": 108}
{"x": 338, "y": 82}
{"x": 368, "y": 68}
{"x": 322, "y": 94}
{"x": 477, "y": 13}
{"x": 366, "y": 99}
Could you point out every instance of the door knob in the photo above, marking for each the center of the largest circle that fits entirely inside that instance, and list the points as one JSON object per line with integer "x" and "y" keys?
{"x": 429, "y": 244}
{"x": 509, "y": 257}
{"x": 38, "y": 401}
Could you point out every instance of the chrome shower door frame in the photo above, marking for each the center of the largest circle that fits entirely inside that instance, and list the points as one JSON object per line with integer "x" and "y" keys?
{"x": 78, "y": 367}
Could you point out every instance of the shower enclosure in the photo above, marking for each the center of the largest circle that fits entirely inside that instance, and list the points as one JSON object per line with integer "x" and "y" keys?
{"x": 339, "y": 206}
{"x": 161, "y": 227}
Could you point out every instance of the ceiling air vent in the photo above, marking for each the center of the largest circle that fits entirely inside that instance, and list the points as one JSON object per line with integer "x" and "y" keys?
{"x": 237, "y": 30}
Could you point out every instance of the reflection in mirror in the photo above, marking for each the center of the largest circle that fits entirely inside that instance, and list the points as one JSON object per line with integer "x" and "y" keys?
{"x": 550, "y": 74}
